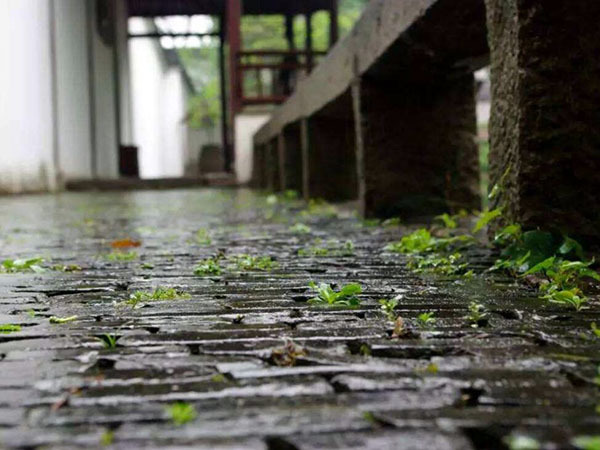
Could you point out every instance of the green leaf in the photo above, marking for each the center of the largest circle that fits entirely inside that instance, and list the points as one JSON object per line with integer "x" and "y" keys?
{"x": 542, "y": 267}
{"x": 571, "y": 246}
{"x": 486, "y": 217}
{"x": 587, "y": 442}
{"x": 351, "y": 289}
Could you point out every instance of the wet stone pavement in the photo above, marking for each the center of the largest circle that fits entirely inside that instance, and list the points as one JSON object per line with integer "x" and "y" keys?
{"x": 529, "y": 372}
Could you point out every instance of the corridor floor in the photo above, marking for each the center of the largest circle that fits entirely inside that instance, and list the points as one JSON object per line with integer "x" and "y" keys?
{"x": 261, "y": 367}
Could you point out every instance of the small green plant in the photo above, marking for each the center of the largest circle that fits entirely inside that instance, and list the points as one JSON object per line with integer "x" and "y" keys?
{"x": 252, "y": 263}
{"x": 571, "y": 297}
{"x": 181, "y": 413}
{"x": 486, "y": 217}
{"x": 371, "y": 223}
{"x": 443, "y": 265}
{"x": 447, "y": 221}
{"x": 426, "y": 319}
{"x": 347, "y": 296}
{"x": 158, "y": 294}
{"x": 108, "y": 340}
{"x": 587, "y": 442}
{"x": 520, "y": 442}
{"x": 290, "y": 195}
{"x": 147, "y": 266}
{"x": 477, "y": 317}
{"x": 319, "y": 207}
{"x": 391, "y": 222}
{"x": 22, "y": 265}
{"x": 9, "y": 328}
{"x": 595, "y": 329}
{"x": 331, "y": 248}
{"x": 202, "y": 237}
{"x": 300, "y": 228}
{"x": 209, "y": 266}
{"x": 107, "y": 438}
{"x": 388, "y": 307}
{"x": 421, "y": 241}
{"x": 61, "y": 320}
{"x": 122, "y": 256}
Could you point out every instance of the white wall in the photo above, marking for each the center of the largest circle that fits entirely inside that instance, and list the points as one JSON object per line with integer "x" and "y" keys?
{"x": 158, "y": 106}
{"x": 26, "y": 127}
{"x": 51, "y": 105}
{"x": 107, "y": 164}
{"x": 246, "y": 125}
{"x": 73, "y": 100}
{"x": 174, "y": 129}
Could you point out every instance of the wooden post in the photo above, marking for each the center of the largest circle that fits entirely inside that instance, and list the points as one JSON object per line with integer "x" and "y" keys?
{"x": 225, "y": 137}
{"x": 333, "y": 23}
{"x": 309, "y": 43}
{"x": 233, "y": 14}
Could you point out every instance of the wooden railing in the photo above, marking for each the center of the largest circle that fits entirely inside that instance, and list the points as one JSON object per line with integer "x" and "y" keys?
{"x": 268, "y": 77}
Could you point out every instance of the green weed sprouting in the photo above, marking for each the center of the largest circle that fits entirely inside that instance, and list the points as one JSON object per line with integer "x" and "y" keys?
{"x": 347, "y": 296}
{"x": 477, "y": 316}
{"x": 587, "y": 442}
{"x": 254, "y": 263}
{"x": 331, "y": 248}
{"x": 61, "y": 320}
{"x": 9, "y": 328}
{"x": 559, "y": 262}
{"x": 107, "y": 438}
{"x": 319, "y": 207}
{"x": 158, "y": 294}
{"x": 453, "y": 264}
{"x": 122, "y": 256}
{"x": 421, "y": 241}
{"x": 448, "y": 221}
{"x": 429, "y": 254}
{"x": 300, "y": 228}
{"x": 209, "y": 266}
{"x": 520, "y": 442}
{"x": 109, "y": 341}
{"x": 595, "y": 329}
{"x": 426, "y": 319}
{"x": 388, "y": 307}
{"x": 22, "y": 265}
{"x": 181, "y": 413}
{"x": 202, "y": 237}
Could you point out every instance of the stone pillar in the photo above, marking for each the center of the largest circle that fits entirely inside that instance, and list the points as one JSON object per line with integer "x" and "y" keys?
{"x": 545, "y": 126}
{"x": 272, "y": 166}
{"x": 259, "y": 179}
{"x": 418, "y": 148}
{"x": 331, "y": 159}
{"x": 292, "y": 157}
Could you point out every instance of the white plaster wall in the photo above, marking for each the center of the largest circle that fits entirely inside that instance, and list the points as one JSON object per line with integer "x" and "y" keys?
{"x": 26, "y": 130}
{"x": 146, "y": 71}
{"x": 73, "y": 99}
{"x": 105, "y": 106}
{"x": 174, "y": 135}
{"x": 246, "y": 125}
{"x": 158, "y": 99}
{"x": 123, "y": 69}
